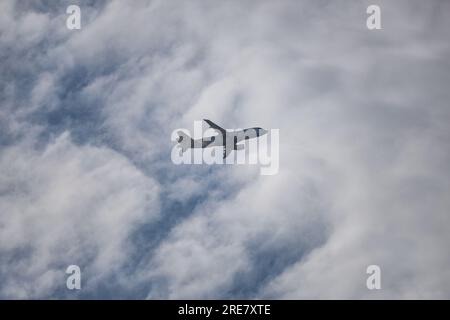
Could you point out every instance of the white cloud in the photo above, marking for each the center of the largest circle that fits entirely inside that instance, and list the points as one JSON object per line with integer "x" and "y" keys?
{"x": 363, "y": 119}
{"x": 65, "y": 205}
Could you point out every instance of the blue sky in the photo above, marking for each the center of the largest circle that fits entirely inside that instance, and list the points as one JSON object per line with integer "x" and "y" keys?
{"x": 85, "y": 171}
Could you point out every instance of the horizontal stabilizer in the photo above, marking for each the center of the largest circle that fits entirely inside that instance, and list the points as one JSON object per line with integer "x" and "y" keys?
{"x": 184, "y": 140}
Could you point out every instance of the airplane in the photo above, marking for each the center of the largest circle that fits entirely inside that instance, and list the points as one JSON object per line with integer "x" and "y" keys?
{"x": 228, "y": 142}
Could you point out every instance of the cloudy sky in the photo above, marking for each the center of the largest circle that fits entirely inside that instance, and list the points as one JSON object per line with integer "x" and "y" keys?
{"x": 86, "y": 176}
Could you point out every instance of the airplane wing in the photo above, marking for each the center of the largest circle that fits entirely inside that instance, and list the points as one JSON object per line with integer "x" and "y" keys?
{"x": 226, "y": 151}
{"x": 215, "y": 126}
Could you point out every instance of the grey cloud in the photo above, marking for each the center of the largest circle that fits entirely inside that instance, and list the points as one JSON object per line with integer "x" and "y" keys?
{"x": 67, "y": 205}
{"x": 363, "y": 118}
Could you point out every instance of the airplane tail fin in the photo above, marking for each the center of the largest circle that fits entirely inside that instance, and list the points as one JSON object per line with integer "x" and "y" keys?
{"x": 184, "y": 140}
